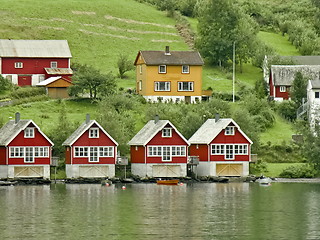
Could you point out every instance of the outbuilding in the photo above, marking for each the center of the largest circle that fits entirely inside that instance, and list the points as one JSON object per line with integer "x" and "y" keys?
{"x": 222, "y": 147}
{"x": 159, "y": 150}
{"x": 25, "y": 151}
{"x": 90, "y": 152}
{"x": 56, "y": 87}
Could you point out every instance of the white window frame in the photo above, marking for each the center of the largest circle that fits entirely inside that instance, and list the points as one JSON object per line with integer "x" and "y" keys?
{"x": 16, "y": 152}
{"x": 229, "y": 152}
{"x": 217, "y": 149}
{"x": 29, "y": 155}
{"x": 166, "y": 154}
{"x": 140, "y": 69}
{"x": 185, "y": 69}
{"x": 106, "y": 151}
{"x": 93, "y": 154}
{"x": 230, "y": 130}
{"x": 315, "y": 95}
{"x": 175, "y": 151}
{"x": 283, "y": 89}
{"x": 18, "y": 65}
{"x": 41, "y": 152}
{"x": 189, "y": 86}
{"x": 167, "y": 132}
{"x": 241, "y": 149}
{"x": 29, "y": 132}
{"x": 140, "y": 85}
{"x": 162, "y": 69}
{"x": 157, "y": 86}
{"x": 94, "y": 133}
{"x": 54, "y": 64}
{"x": 81, "y": 152}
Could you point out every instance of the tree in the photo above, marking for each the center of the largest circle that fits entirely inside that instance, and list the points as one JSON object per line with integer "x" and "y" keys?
{"x": 5, "y": 84}
{"x": 221, "y": 24}
{"x": 88, "y": 79}
{"x": 124, "y": 65}
{"x": 299, "y": 89}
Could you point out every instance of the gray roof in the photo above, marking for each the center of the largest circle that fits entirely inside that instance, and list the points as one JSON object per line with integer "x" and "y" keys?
{"x": 210, "y": 130}
{"x": 80, "y": 130}
{"x": 283, "y": 75}
{"x": 175, "y": 58}
{"x": 10, "y": 130}
{"x": 34, "y": 48}
{"x": 150, "y": 130}
{"x": 315, "y": 83}
{"x": 55, "y": 71}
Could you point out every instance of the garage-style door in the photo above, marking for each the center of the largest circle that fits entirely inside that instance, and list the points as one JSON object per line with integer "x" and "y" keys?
{"x": 166, "y": 171}
{"x": 28, "y": 171}
{"x": 93, "y": 171}
{"x": 229, "y": 169}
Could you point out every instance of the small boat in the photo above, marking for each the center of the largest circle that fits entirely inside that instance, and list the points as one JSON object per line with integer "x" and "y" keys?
{"x": 264, "y": 181}
{"x": 168, "y": 181}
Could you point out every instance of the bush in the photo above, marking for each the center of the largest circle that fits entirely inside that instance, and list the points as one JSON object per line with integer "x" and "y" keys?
{"x": 26, "y": 92}
{"x": 258, "y": 168}
{"x": 304, "y": 171}
{"x": 288, "y": 110}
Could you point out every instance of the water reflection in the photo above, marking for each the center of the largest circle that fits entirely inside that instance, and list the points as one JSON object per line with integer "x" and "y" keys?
{"x": 150, "y": 211}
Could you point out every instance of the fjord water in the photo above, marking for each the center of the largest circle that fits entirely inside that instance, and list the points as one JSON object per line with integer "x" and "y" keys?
{"x": 150, "y": 211}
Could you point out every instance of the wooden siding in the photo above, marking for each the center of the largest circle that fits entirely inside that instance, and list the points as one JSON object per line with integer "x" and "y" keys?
{"x": 3, "y": 155}
{"x": 60, "y": 83}
{"x": 285, "y": 95}
{"x": 31, "y": 65}
{"x": 59, "y": 92}
{"x": 68, "y": 153}
{"x": 137, "y": 155}
{"x": 202, "y": 151}
{"x": 229, "y": 170}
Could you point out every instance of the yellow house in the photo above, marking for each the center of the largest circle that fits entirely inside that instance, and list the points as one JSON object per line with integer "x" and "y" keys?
{"x": 169, "y": 75}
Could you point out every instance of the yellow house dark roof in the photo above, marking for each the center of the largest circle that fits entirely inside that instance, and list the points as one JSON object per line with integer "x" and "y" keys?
{"x": 170, "y": 58}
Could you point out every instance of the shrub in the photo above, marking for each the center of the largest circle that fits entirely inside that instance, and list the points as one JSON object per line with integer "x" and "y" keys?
{"x": 26, "y": 92}
{"x": 258, "y": 168}
{"x": 304, "y": 171}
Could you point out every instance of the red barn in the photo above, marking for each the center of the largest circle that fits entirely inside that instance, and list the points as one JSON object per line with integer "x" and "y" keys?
{"x": 28, "y": 62}
{"x": 25, "y": 151}
{"x": 90, "y": 152}
{"x": 223, "y": 149}
{"x": 159, "y": 150}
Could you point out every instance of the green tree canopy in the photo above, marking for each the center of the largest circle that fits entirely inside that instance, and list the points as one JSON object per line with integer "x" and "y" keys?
{"x": 87, "y": 79}
{"x": 299, "y": 88}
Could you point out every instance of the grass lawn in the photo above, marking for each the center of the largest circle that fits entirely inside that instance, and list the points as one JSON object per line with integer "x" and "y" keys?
{"x": 279, "y": 132}
{"x": 279, "y": 43}
{"x": 274, "y": 169}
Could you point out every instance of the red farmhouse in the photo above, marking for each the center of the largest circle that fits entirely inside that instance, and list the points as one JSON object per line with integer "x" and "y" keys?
{"x": 159, "y": 150}
{"x": 90, "y": 152}
{"x": 223, "y": 149}
{"x": 25, "y": 151}
{"x": 28, "y": 62}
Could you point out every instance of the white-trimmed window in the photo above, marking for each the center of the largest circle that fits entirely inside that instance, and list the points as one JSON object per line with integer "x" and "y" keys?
{"x": 93, "y": 132}
{"x": 167, "y": 132}
{"x": 162, "y": 86}
{"x": 29, "y": 132}
{"x": 29, "y": 155}
{"x": 229, "y": 130}
{"x": 81, "y": 151}
{"x": 41, "y": 152}
{"x": 241, "y": 149}
{"x": 53, "y": 64}
{"x": 185, "y": 86}
{"x": 106, "y": 151}
{"x": 140, "y": 85}
{"x": 178, "y": 151}
{"x": 185, "y": 69}
{"x": 229, "y": 152}
{"x": 162, "y": 69}
{"x": 166, "y": 153}
{"x": 16, "y": 152}
{"x": 217, "y": 149}
{"x": 283, "y": 89}
{"x": 140, "y": 69}
{"x": 94, "y": 154}
{"x": 18, "y": 65}
{"x": 316, "y": 94}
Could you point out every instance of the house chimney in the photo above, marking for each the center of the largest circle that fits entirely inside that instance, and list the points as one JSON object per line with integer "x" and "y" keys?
{"x": 167, "y": 52}
{"x": 17, "y": 118}
{"x": 156, "y": 119}
{"x": 217, "y": 117}
{"x": 87, "y": 118}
